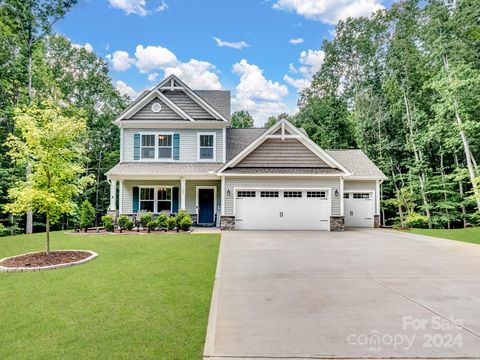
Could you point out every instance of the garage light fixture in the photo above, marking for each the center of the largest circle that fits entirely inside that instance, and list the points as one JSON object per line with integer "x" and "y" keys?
{"x": 336, "y": 192}
{"x": 229, "y": 192}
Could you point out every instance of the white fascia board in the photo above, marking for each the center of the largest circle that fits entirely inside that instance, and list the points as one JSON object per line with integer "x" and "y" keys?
{"x": 366, "y": 178}
{"x": 197, "y": 99}
{"x": 169, "y": 124}
{"x": 174, "y": 106}
{"x": 144, "y": 101}
{"x": 127, "y": 177}
{"x": 280, "y": 175}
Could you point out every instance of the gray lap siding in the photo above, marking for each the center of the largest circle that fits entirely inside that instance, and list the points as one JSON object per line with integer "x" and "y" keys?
{"x": 277, "y": 182}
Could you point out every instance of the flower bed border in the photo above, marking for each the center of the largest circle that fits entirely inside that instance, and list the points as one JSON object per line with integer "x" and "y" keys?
{"x": 92, "y": 256}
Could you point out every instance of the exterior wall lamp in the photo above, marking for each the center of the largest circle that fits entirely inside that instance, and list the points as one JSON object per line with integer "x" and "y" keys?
{"x": 336, "y": 192}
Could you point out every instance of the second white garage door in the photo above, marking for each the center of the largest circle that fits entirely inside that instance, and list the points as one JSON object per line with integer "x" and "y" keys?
{"x": 359, "y": 209}
{"x": 292, "y": 209}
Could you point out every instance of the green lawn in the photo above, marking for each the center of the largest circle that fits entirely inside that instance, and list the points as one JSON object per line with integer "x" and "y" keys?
{"x": 470, "y": 235}
{"x": 143, "y": 297}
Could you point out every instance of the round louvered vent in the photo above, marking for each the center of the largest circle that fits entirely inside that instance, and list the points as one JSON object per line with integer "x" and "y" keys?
{"x": 156, "y": 107}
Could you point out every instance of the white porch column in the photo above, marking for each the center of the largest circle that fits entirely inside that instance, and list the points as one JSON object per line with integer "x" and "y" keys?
{"x": 182, "y": 194}
{"x": 377, "y": 197}
{"x": 113, "y": 195}
{"x": 342, "y": 200}
{"x": 120, "y": 202}
{"x": 222, "y": 197}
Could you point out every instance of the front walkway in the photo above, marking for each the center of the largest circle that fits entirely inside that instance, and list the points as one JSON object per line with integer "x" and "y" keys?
{"x": 363, "y": 293}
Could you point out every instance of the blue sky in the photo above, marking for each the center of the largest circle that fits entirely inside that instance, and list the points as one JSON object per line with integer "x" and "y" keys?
{"x": 263, "y": 51}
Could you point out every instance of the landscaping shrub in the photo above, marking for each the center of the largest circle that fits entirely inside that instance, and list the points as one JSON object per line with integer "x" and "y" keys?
{"x": 162, "y": 221}
{"x": 182, "y": 214}
{"x": 171, "y": 223}
{"x": 107, "y": 222}
{"x": 151, "y": 225}
{"x": 125, "y": 223}
{"x": 4, "y": 231}
{"x": 185, "y": 223}
{"x": 86, "y": 215}
{"x": 416, "y": 220}
{"x": 145, "y": 218}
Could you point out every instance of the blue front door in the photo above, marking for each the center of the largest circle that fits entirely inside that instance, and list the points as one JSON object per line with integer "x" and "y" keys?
{"x": 206, "y": 206}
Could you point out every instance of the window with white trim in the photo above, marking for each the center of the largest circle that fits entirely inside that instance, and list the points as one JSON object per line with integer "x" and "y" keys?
{"x": 206, "y": 146}
{"x": 361, "y": 195}
{"x": 148, "y": 146}
{"x": 164, "y": 199}
{"x": 269, "y": 194}
{"x": 292, "y": 194}
{"x": 317, "y": 194}
{"x": 246, "y": 194}
{"x": 147, "y": 199}
{"x": 165, "y": 146}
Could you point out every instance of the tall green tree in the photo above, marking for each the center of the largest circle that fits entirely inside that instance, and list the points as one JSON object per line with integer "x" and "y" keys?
{"x": 53, "y": 143}
{"x": 241, "y": 120}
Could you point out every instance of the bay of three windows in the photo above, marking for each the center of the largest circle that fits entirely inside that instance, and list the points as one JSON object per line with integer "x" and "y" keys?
{"x": 160, "y": 146}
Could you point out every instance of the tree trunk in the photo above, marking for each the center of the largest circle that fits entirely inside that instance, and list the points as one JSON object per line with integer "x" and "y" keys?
{"x": 418, "y": 158}
{"x": 47, "y": 227}
{"x": 460, "y": 190}
{"x": 442, "y": 171}
{"x": 466, "y": 146}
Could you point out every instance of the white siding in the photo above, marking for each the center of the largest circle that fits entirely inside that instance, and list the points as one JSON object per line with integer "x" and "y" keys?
{"x": 231, "y": 183}
{"x": 188, "y": 142}
{"x": 359, "y": 185}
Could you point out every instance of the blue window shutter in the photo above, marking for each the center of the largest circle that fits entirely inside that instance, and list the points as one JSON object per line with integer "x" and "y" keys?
{"x": 136, "y": 146}
{"x": 174, "y": 200}
{"x": 135, "y": 199}
{"x": 176, "y": 146}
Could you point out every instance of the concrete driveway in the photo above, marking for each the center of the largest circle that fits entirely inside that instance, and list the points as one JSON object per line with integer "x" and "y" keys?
{"x": 358, "y": 294}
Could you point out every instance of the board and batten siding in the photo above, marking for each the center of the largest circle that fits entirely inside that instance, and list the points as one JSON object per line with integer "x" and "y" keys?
{"x": 190, "y": 192}
{"x": 350, "y": 185}
{"x": 282, "y": 153}
{"x": 281, "y": 183}
{"x": 188, "y": 142}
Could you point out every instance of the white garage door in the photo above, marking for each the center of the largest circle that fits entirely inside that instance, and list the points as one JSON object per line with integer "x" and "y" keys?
{"x": 359, "y": 209}
{"x": 272, "y": 209}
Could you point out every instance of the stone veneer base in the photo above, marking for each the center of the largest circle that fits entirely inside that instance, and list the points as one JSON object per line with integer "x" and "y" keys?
{"x": 337, "y": 223}
{"x": 227, "y": 222}
{"x": 92, "y": 256}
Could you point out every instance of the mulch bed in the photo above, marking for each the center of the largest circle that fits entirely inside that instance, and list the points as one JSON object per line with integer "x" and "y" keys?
{"x": 40, "y": 259}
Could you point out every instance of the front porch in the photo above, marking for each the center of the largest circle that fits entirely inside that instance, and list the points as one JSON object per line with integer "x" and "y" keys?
{"x": 200, "y": 197}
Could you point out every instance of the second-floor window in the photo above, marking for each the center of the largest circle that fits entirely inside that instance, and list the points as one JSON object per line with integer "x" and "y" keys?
{"x": 156, "y": 146}
{"x": 206, "y": 147}
{"x": 164, "y": 146}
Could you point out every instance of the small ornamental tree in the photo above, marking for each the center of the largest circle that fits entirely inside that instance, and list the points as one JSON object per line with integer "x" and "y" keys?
{"x": 86, "y": 215}
{"x": 52, "y": 144}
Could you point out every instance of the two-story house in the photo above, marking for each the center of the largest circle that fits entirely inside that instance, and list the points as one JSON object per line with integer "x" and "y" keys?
{"x": 178, "y": 151}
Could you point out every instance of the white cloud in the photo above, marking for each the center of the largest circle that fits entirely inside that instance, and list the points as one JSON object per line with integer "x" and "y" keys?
{"x": 235, "y": 45}
{"x": 87, "y": 46}
{"x": 124, "y": 89}
{"x": 121, "y": 60}
{"x": 254, "y": 93}
{"x": 162, "y": 7}
{"x": 149, "y": 59}
{"x": 329, "y": 11}
{"x": 196, "y": 74}
{"x": 153, "y": 57}
{"x": 311, "y": 61}
{"x": 130, "y": 6}
{"x": 152, "y": 76}
{"x": 295, "y": 41}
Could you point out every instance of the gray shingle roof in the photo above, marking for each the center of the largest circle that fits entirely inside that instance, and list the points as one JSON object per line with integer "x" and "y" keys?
{"x": 218, "y": 99}
{"x": 174, "y": 169}
{"x": 239, "y": 139}
{"x": 357, "y": 163}
{"x": 280, "y": 171}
